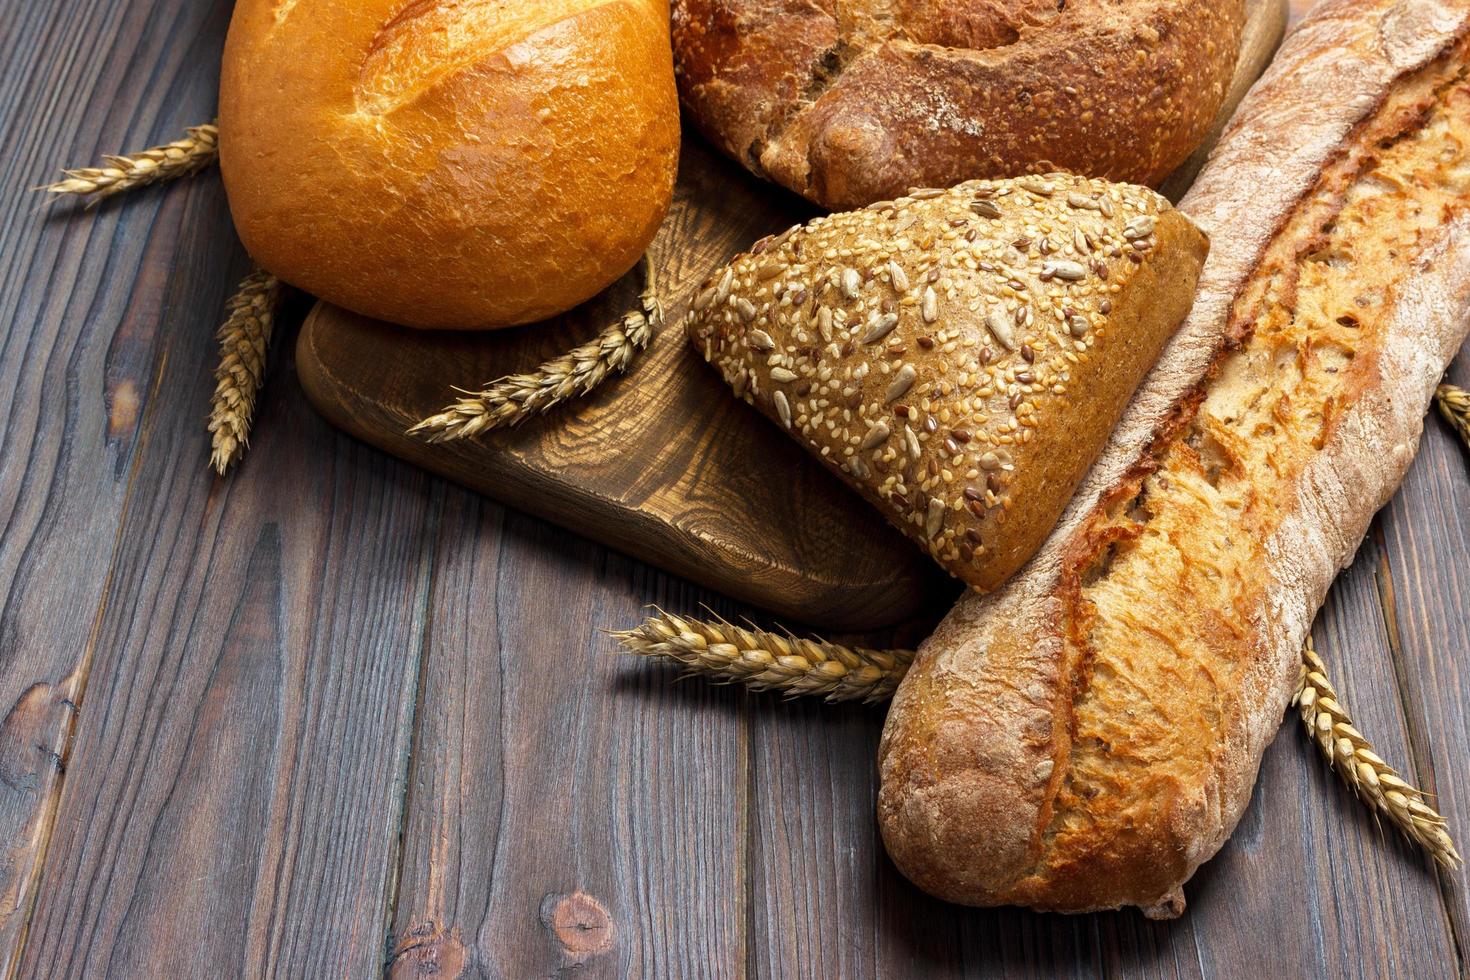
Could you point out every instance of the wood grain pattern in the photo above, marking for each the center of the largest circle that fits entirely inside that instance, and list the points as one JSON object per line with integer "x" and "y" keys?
{"x": 339, "y": 717}
{"x": 663, "y": 464}
{"x": 87, "y": 309}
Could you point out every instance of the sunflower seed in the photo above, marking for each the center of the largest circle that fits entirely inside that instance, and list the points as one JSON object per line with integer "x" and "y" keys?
{"x": 898, "y": 277}
{"x": 782, "y": 374}
{"x": 1065, "y": 269}
{"x": 1105, "y": 206}
{"x": 988, "y": 460}
{"x": 851, "y": 282}
{"x": 769, "y": 268}
{"x": 1081, "y": 201}
{"x": 880, "y": 325}
{"x": 704, "y": 299}
{"x": 934, "y": 520}
{"x": 925, "y": 193}
{"x": 745, "y": 308}
{"x": 824, "y": 323}
{"x": 876, "y": 437}
{"x": 1001, "y": 328}
{"x": 761, "y": 341}
{"x": 902, "y": 382}
{"x": 911, "y": 442}
{"x": 1038, "y": 187}
{"x": 1140, "y": 227}
{"x": 929, "y": 305}
{"x": 1077, "y": 324}
{"x": 783, "y": 408}
{"x": 985, "y": 208}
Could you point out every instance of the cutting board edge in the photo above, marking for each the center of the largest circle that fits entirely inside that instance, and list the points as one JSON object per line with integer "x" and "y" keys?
{"x": 690, "y": 553}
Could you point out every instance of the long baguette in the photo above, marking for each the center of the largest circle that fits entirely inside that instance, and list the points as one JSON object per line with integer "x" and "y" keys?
{"x": 1087, "y": 736}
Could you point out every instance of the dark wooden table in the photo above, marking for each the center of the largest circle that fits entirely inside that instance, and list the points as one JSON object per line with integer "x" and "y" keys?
{"x": 334, "y": 716}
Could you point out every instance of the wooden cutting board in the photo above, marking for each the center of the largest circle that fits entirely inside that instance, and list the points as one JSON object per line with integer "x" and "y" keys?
{"x": 663, "y": 463}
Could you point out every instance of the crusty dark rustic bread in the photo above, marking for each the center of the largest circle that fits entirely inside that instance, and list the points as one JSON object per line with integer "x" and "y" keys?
{"x": 856, "y": 101}
{"x": 449, "y": 164}
{"x": 958, "y": 356}
{"x": 1086, "y": 736}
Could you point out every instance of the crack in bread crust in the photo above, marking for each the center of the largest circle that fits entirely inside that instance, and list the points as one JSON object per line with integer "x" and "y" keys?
{"x": 429, "y": 40}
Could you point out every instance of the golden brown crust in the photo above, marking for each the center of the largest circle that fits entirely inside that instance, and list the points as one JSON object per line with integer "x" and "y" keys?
{"x": 851, "y": 102}
{"x": 1144, "y": 657}
{"x": 444, "y": 164}
{"x": 959, "y": 357}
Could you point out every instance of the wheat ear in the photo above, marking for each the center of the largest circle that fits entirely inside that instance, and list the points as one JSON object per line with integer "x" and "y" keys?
{"x": 517, "y": 397}
{"x": 1374, "y": 781}
{"x": 769, "y": 661}
{"x": 121, "y": 173}
{"x": 244, "y": 338}
{"x": 1454, "y": 405}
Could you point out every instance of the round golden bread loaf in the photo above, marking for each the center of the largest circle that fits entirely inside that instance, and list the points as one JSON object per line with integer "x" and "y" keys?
{"x": 856, "y": 101}
{"x": 449, "y": 163}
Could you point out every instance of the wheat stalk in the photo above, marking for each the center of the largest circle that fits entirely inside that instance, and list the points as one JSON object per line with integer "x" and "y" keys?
{"x": 517, "y": 397}
{"x": 769, "y": 661}
{"x": 1454, "y": 405}
{"x": 125, "y": 172}
{"x": 1374, "y": 781}
{"x": 244, "y": 338}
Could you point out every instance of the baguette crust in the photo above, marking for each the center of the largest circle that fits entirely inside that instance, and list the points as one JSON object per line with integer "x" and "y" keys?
{"x": 1087, "y": 736}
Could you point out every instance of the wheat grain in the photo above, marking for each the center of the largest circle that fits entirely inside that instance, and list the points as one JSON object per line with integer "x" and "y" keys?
{"x": 126, "y": 172}
{"x": 1454, "y": 405}
{"x": 244, "y": 338}
{"x": 515, "y": 398}
{"x": 1374, "y": 781}
{"x": 769, "y": 661}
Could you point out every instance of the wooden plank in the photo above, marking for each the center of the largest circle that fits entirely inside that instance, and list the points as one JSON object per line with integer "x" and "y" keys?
{"x": 236, "y": 784}
{"x": 88, "y": 308}
{"x": 238, "y": 758}
{"x": 1426, "y": 536}
{"x": 568, "y": 810}
{"x": 699, "y": 484}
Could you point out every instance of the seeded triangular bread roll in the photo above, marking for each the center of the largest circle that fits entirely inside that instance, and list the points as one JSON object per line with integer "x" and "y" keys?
{"x": 958, "y": 356}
